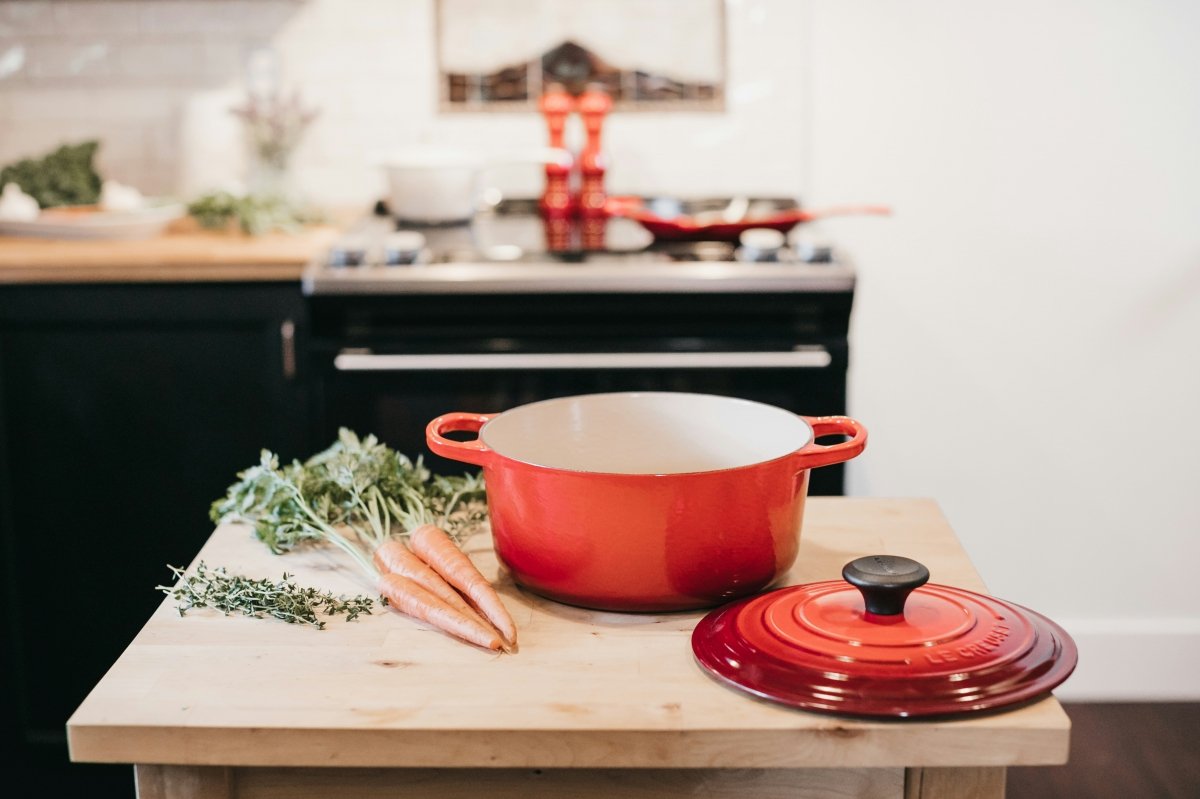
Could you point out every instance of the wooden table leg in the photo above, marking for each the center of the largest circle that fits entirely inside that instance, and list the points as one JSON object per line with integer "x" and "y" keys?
{"x": 183, "y": 782}
{"x": 954, "y": 783}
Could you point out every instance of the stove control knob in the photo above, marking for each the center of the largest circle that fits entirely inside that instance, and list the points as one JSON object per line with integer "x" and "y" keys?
{"x": 812, "y": 248}
{"x": 760, "y": 244}
{"x": 403, "y": 247}
{"x": 348, "y": 252}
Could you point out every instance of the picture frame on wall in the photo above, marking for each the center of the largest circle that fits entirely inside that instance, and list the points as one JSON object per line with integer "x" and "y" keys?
{"x": 648, "y": 55}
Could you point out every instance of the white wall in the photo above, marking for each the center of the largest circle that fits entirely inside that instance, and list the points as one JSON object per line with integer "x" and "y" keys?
{"x": 1026, "y": 341}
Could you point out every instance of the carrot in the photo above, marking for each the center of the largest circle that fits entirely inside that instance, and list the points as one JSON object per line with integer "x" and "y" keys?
{"x": 432, "y": 545}
{"x": 393, "y": 557}
{"x": 409, "y": 597}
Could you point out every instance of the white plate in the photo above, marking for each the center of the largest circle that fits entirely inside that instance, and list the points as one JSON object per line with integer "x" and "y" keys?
{"x": 75, "y": 222}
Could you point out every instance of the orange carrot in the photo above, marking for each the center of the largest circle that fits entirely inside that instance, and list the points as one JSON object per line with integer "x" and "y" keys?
{"x": 407, "y": 596}
{"x": 432, "y": 545}
{"x": 392, "y": 556}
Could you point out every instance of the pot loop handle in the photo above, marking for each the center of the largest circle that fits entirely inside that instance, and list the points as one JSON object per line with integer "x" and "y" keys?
{"x": 466, "y": 451}
{"x": 812, "y": 454}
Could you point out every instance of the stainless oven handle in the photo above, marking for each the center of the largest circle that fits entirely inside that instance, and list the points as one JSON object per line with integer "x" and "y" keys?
{"x": 800, "y": 358}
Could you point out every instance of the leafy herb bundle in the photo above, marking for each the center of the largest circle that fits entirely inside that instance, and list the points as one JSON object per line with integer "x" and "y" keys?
{"x": 283, "y": 599}
{"x": 356, "y": 494}
{"x": 63, "y": 177}
{"x": 255, "y": 214}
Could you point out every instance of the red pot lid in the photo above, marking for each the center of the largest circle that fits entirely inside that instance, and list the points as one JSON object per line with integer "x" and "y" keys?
{"x": 883, "y": 643}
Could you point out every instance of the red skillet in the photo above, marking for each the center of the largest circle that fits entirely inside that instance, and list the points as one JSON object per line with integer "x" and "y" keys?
{"x": 686, "y": 228}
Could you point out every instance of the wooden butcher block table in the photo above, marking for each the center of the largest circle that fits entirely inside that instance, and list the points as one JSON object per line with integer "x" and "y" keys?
{"x": 595, "y": 704}
{"x": 183, "y": 253}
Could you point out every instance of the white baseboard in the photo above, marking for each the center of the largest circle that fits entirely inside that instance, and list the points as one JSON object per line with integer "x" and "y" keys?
{"x": 1134, "y": 660}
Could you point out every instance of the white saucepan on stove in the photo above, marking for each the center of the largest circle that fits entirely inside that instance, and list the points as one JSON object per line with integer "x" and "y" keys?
{"x": 444, "y": 185}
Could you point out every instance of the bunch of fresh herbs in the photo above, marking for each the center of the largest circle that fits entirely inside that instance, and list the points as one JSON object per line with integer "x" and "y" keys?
{"x": 63, "y": 177}
{"x": 254, "y": 214}
{"x": 282, "y": 599}
{"x": 356, "y": 494}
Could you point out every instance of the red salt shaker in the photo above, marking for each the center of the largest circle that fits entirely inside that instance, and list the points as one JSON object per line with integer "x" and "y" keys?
{"x": 556, "y": 104}
{"x": 594, "y": 104}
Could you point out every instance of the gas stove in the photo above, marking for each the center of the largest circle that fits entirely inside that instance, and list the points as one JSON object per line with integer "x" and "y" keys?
{"x": 511, "y": 249}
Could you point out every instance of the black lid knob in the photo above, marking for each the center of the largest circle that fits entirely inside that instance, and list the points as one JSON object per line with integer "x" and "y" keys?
{"x": 885, "y": 581}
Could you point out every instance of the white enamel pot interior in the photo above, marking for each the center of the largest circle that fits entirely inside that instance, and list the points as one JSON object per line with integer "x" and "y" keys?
{"x": 645, "y": 433}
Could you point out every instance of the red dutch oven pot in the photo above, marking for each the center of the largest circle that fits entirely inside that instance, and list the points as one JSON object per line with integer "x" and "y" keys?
{"x": 646, "y": 501}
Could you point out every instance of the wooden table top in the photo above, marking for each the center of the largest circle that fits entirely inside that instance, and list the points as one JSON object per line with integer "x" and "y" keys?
{"x": 184, "y": 253}
{"x": 587, "y": 689}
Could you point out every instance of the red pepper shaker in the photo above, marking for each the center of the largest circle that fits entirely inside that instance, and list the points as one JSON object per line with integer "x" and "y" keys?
{"x": 556, "y": 104}
{"x": 592, "y": 232}
{"x": 594, "y": 104}
{"x": 559, "y": 232}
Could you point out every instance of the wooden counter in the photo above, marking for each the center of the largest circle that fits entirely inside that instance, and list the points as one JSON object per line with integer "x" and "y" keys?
{"x": 185, "y": 253}
{"x": 595, "y": 704}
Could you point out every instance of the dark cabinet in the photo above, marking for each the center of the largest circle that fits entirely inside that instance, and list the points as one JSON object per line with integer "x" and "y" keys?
{"x": 124, "y": 411}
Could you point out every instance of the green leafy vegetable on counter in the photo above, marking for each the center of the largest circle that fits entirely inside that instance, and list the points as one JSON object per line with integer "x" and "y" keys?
{"x": 254, "y": 214}
{"x": 64, "y": 177}
{"x": 355, "y": 495}
{"x": 282, "y": 599}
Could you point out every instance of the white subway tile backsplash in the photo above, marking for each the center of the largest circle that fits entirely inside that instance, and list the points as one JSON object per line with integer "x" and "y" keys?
{"x": 339, "y": 185}
{"x": 187, "y": 17}
{"x": 267, "y": 16}
{"x": 139, "y": 105}
{"x": 13, "y": 62}
{"x": 160, "y": 142}
{"x": 120, "y": 142}
{"x": 211, "y": 16}
{"x": 26, "y": 17}
{"x": 21, "y": 141}
{"x": 402, "y": 21}
{"x": 48, "y": 108}
{"x": 153, "y": 62}
{"x": 82, "y": 59}
{"x": 225, "y": 59}
{"x": 149, "y": 178}
{"x": 81, "y": 17}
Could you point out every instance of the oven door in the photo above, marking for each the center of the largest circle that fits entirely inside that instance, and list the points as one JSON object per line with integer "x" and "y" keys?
{"x": 394, "y": 394}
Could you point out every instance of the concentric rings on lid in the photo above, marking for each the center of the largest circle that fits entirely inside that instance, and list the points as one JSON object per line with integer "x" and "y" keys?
{"x": 947, "y": 651}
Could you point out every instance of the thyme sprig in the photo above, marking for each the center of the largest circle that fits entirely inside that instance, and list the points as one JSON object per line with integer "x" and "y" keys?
{"x": 282, "y": 599}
